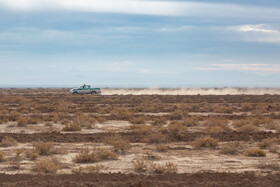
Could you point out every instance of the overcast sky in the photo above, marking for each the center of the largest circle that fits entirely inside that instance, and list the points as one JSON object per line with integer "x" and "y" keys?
{"x": 156, "y": 43}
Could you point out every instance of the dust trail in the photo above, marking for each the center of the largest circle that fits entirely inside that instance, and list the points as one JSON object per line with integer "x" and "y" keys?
{"x": 191, "y": 91}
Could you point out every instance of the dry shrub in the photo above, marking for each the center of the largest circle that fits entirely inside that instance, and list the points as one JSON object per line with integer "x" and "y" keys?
{"x": 143, "y": 129}
{"x": 31, "y": 154}
{"x": 96, "y": 155}
{"x": 46, "y": 166}
{"x": 138, "y": 120}
{"x": 72, "y": 127}
{"x": 100, "y": 119}
{"x": 140, "y": 166}
{"x": 268, "y": 142}
{"x": 118, "y": 143}
{"x": 43, "y": 148}
{"x": 273, "y": 148}
{"x": 239, "y": 123}
{"x": 231, "y": 148}
{"x": 168, "y": 167}
{"x": 155, "y": 137}
{"x": 249, "y": 128}
{"x": 2, "y": 157}
{"x": 191, "y": 120}
{"x": 255, "y": 152}
{"x": 177, "y": 129}
{"x": 89, "y": 169}
{"x": 159, "y": 121}
{"x": 206, "y": 141}
{"x": 22, "y": 121}
{"x": 122, "y": 114}
{"x": 8, "y": 142}
{"x": 161, "y": 148}
{"x": 178, "y": 114}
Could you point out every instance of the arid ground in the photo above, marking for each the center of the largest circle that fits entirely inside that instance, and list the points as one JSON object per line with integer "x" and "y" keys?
{"x": 51, "y": 138}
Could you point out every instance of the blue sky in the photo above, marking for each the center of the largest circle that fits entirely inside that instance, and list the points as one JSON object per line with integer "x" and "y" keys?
{"x": 209, "y": 43}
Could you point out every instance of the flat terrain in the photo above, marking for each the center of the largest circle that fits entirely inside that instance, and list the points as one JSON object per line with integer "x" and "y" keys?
{"x": 49, "y": 137}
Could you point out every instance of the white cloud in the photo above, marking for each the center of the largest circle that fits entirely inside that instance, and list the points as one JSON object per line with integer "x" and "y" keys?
{"x": 257, "y": 33}
{"x": 168, "y": 8}
{"x": 257, "y": 68}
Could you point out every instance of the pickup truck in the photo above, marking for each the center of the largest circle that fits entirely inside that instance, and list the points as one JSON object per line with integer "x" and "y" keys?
{"x": 85, "y": 89}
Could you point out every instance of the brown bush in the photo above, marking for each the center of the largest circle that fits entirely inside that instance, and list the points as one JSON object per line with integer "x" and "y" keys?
{"x": 8, "y": 142}
{"x": 22, "y": 121}
{"x": 206, "y": 141}
{"x": 250, "y": 128}
{"x": 155, "y": 137}
{"x": 145, "y": 129}
{"x": 31, "y": 154}
{"x": 90, "y": 169}
{"x": 140, "y": 166}
{"x": 168, "y": 167}
{"x": 268, "y": 142}
{"x": 43, "y": 148}
{"x": 177, "y": 129}
{"x": 72, "y": 127}
{"x": 2, "y": 157}
{"x": 231, "y": 148}
{"x": 118, "y": 143}
{"x": 161, "y": 148}
{"x": 46, "y": 166}
{"x": 255, "y": 152}
{"x": 122, "y": 114}
{"x": 159, "y": 121}
{"x": 96, "y": 155}
{"x": 239, "y": 123}
{"x": 138, "y": 120}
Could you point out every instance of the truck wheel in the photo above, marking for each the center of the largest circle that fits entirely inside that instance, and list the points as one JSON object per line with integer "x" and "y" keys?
{"x": 93, "y": 93}
{"x": 75, "y": 93}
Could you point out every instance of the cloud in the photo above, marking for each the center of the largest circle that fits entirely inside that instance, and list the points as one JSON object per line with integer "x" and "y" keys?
{"x": 257, "y": 33}
{"x": 257, "y": 68}
{"x": 145, "y": 7}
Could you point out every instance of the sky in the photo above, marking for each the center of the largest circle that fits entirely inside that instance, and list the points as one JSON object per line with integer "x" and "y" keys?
{"x": 140, "y": 43}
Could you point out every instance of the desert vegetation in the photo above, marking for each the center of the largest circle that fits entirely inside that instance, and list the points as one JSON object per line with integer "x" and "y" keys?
{"x": 46, "y": 131}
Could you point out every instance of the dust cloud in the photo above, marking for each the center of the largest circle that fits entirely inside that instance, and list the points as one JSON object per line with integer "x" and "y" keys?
{"x": 191, "y": 91}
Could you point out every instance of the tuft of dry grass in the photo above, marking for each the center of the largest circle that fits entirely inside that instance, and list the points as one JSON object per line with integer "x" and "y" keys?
{"x": 140, "y": 166}
{"x": 145, "y": 129}
{"x": 46, "y": 166}
{"x": 31, "y": 154}
{"x": 98, "y": 154}
{"x": 138, "y": 120}
{"x": 177, "y": 129}
{"x": 268, "y": 142}
{"x": 72, "y": 127}
{"x": 21, "y": 121}
{"x": 206, "y": 141}
{"x": 2, "y": 157}
{"x": 155, "y": 137}
{"x": 168, "y": 167}
{"x": 90, "y": 169}
{"x": 250, "y": 128}
{"x": 43, "y": 148}
{"x": 255, "y": 152}
{"x": 231, "y": 148}
{"x": 118, "y": 143}
{"x": 8, "y": 142}
{"x": 161, "y": 148}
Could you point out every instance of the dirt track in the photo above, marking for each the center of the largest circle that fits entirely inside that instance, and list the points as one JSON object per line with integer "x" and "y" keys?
{"x": 134, "y": 137}
{"x": 198, "y": 179}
